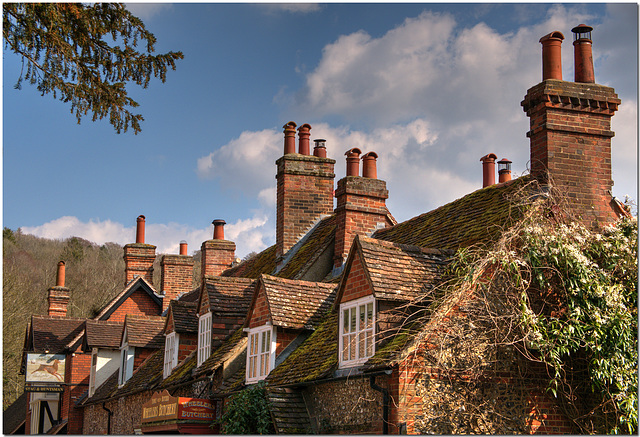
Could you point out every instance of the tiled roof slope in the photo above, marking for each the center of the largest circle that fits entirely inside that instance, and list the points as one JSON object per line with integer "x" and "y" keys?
{"x": 52, "y": 334}
{"x": 401, "y": 272}
{"x": 181, "y": 373}
{"x": 229, "y": 295}
{"x": 315, "y": 244}
{"x": 297, "y": 304}
{"x": 102, "y": 333}
{"x": 145, "y": 331}
{"x": 264, "y": 262}
{"x": 15, "y": 415}
{"x": 102, "y": 393}
{"x": 184, "y": 316}
{"x": 475, "y": 218}
{"x": 145, "y": 377}
{"x": 219, "y": 356}
{"x": 191, "y": 296}
{"x": 314, "y": 359}
{"x": 288, "y": 411}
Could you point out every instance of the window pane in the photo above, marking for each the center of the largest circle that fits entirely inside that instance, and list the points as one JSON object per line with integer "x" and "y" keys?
{"x": 352, "y": 346}
{"x": 369, "y": 315}
{"x": 345, "y": 321}
{"x": 361, "y": 345}
{"x": 352, "y": 326}
{"x": 268, "y": 345}
{"x": 369, "y": 342}
{"x": 361, "y": 311}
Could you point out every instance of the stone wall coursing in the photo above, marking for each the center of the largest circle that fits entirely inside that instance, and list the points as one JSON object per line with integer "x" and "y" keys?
{"x": 346, "y": 406}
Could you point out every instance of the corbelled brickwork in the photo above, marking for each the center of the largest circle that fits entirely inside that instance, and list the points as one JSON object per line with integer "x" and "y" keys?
{"x": 217, "y": 256}
{"x": 177, "y": 277}
{"x": 58, "y": 301}
{"x": 360, "y": 210}
{"x": 571, "y": 143}
{"x": 138, "y": 261}
{"x": 304, "y": 194}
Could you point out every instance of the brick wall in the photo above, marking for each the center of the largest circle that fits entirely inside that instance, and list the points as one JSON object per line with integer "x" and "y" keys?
{"x": 138, "y": 261}
{"x": 571, "y": 140}
{"x": 138, "y": 303}
{"x": 176, "y": 278}
{"x": 188, "y": 343}
{"x": 304, "y": 194}
{"x": 78, "y": 368}
{"x": 222, "y": 326}
{"x": 357, "y": 284}
{"x": 260, "y": 314}
{"x": 360, "y": 209}
{"x": 58, "y": 298}
{"x": 217, "y": 256}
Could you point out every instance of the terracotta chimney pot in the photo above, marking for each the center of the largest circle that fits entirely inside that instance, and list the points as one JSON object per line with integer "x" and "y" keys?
{"x": 552, "y": 55}
{"x": 504, "y": 170}
{"x": 289, "y": 138}
{"x": 218, "y": 229}
{"x": 582, "y": 54}
{"x": 183, "y": 248}
{"x": 304, "y": 132}
{"x": 320, "y": 149}
{"x": 369, "y": 165}
{"x": 488, "y": 169}
{"x": 140, "y": 229}
{"x": 353, "y": 161}
{"x": 61, "y": 274}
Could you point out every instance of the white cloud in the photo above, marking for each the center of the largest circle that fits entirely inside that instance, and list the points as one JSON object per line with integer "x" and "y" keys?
{"x": 294, "y": 8}
{"x": 248, "y": 234}
{"x": 146, "y": 11}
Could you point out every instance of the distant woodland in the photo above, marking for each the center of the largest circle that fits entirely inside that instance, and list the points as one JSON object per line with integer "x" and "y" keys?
{"x": 94, "y": 275}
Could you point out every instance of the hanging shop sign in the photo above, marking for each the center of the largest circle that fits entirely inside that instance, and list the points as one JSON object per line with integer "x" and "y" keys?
{"x": 45, "y": 368}
{"x": 164, "y": 412}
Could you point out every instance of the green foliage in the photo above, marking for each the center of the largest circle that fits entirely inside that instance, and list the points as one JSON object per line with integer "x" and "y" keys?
{"x": 65, "y": 48}
{"x": 595, "y": 277}
{"x": 248, "y": 412}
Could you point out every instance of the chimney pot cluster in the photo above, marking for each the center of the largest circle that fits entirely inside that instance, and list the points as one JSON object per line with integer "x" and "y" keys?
{"x": 583, "y": 57}
{"x": 368, "y": 163}
{"x": 353, "y": 161}
{"x": 489, "y": 170}
{"x": 304, "y": 133}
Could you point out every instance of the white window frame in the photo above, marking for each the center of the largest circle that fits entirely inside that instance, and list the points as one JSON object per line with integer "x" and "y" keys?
{"x": 94, "y": 369}
{"x": 204, "y": 337}
{"x": 171, "y": 346}
{"x": 261, "y": 353}
{"x": 127, "y": 355}
{"x": 357, "y": 336}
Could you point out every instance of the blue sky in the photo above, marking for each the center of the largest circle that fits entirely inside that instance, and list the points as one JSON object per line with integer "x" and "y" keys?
{"x": 430, "y": 88}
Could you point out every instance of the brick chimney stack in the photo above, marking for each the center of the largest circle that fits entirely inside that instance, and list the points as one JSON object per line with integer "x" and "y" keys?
{"x": 217, "y": 254}
{"x": 570, "y": 135}
{"x": 139, "y": 256}
{"x": 59, "y": 296}
{"x": 488, "y": 169}
{"x": 304, "y": 188}
{"x": 177, "y": 275}
{"x": 361, "y": 207}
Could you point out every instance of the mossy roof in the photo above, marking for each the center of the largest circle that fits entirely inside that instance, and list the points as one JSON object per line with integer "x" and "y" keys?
{"x": 314, "y": 359}
{"x": 320, "y": 238}
{"x": 288, "y": 410}
{"x": 263, "y": 262}
{"x": 297, "y": 304}
{"x": 184, "y": 316}
{"x": 229, "y": 296}
{"x": 219, "y": 356}
{"x": 182, "y": 373}
{"x": 145, "y": 331}
{"x": 476, "y": 218}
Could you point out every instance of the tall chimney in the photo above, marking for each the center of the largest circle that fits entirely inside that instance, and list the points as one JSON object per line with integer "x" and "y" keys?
{"x": 552, "y": 56}
{"x": 582, "y": 54}
{"x": 139, "y": 256}
{"x": 59, "y": 296}
{"x": 570, "y": 139}
{"x": 504, "y": 170}
{"x": 304, "y": 132}
{"x": 488, "y": 169}
{"x": 361, "y": 207}
{"x": 217, "y": 254}
{"x": 177, "y": 275}
{"x": 304, "y": 192}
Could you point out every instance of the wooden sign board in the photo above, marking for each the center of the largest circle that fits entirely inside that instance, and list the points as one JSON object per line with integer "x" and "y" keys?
{"x": 45, "y": 368}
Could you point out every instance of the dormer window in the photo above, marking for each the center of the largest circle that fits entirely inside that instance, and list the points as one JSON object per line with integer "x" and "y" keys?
{"x": 261, "y": 353}
{"x": 170, "y": 353}
{"x": 204, "y": 337}
{"x": 127, "y": 354}
{"x": 357, "y": 331}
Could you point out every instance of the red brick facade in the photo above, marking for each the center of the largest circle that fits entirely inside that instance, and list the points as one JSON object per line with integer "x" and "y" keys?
{"x": 177, "y": 277}
{"x": 304, "y": 194}
{"x": 139, "y": 303}
{"x": 138, "y": 261}
{"x": 571, "y": 144}
{"x": 357, "y": 284}
{"x": 78, "y": 368}
{"x": 261, "y": 313}
{"x": 360, "y": 210}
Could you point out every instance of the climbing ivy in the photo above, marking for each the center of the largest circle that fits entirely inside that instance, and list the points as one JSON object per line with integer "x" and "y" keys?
{"x": 247, "y": 412}
{"x": 596, "y": 277}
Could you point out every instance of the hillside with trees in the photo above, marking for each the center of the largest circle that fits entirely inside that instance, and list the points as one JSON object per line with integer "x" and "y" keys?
{"x": 94, "y": 275}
